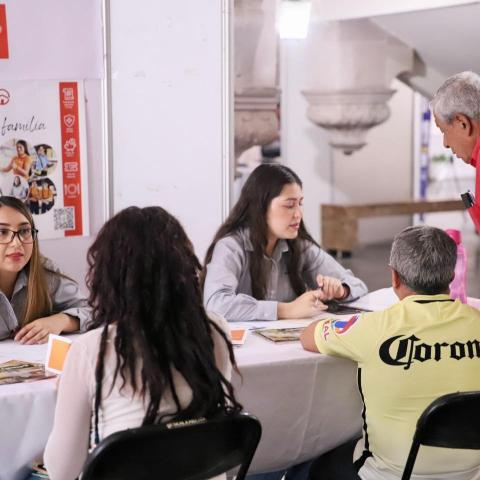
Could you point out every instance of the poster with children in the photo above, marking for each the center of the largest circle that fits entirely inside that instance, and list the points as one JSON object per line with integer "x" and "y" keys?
{"x": 43, "y": 155}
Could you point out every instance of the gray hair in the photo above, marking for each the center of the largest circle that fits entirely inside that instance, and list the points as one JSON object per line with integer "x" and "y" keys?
{"x": 424, "y": 257}
{"x": 459, "y": 94}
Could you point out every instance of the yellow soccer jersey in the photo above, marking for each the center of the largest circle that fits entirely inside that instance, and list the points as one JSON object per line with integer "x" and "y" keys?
{"x": 408, "y": 355}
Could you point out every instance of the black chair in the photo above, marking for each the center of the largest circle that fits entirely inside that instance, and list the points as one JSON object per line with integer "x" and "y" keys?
{"x": 195, "y": 450}
{"x": 451, "y": 421}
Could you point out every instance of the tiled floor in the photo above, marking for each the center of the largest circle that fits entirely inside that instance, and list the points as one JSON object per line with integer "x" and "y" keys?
{"x": 370, "y": 263}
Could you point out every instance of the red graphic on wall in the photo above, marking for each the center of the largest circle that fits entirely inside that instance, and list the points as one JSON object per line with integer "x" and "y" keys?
{"x": 3, "y": 32}
{"x": 72, "y": 191}
{"x": 4, "y": 96}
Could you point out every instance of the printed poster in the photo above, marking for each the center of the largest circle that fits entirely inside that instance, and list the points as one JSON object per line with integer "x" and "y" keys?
{"x": 43, "y": 155}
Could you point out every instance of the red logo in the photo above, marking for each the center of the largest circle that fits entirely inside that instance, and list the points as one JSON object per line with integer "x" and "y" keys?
{"x": 326, "y": 329}
{"x": 69, "y": 120}
{"x": 4, "y": 96}
{"x": 343, "y": 326}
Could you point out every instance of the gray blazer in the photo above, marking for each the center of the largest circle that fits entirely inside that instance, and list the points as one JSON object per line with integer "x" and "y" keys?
{"x": 64, "y": 293}
{"x": 228, "y": 290}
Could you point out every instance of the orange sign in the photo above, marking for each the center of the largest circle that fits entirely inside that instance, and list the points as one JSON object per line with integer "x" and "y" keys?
{"x": 3, "y": 32}
{"x": 57, "y": 350}
{"x": 72, "y": 191}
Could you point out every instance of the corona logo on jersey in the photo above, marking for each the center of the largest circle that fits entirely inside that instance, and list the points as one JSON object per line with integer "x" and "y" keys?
{"x": 405, "y": 351}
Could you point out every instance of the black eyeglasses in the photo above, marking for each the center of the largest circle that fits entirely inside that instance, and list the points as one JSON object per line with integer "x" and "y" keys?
{"x": 25, "y": 235}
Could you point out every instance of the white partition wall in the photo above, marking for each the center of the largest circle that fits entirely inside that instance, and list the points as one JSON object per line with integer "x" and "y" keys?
{"x": 169, "y": 96}
{"x": 62, "y": 40}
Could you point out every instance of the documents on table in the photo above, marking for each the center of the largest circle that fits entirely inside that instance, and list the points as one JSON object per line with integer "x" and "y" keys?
{"x": 280, "y": 334}
{"x": 19, "y": 371}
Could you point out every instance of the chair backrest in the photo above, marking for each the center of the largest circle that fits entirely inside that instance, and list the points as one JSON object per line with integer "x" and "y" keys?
{"x": 192, "y": 450}
{"x": 451, "y": 421}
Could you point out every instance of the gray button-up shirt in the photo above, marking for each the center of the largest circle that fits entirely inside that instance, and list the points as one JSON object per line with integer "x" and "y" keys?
{"x": 228, "y": 289}
{"x": 64, "y": 293}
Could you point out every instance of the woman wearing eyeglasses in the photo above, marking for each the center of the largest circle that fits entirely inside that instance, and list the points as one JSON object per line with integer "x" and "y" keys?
{"x": 43, "y": 300}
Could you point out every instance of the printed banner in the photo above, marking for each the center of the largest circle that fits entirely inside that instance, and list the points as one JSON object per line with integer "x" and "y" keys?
{"x": 43, "y": 153}
{"x": 3, "y": 33}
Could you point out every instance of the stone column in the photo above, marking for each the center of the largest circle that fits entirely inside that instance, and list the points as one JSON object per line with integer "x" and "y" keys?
{"x": 256, "y": 74}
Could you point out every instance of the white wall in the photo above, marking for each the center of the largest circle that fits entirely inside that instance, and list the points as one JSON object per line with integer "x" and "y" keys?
{"x": 382, "y": 170}
{"x": 304, "y": 147}
{"x": 62, "y": 40}
{"x": 167, "y": 110}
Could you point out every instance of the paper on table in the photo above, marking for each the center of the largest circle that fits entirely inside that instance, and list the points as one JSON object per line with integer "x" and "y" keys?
{"x": 377, "y": 300}
{"x": 19, "y": 371}
{"x": 280, "y": 334}
{"x": 239, "y": 336}
{"x": 57, "y": 350}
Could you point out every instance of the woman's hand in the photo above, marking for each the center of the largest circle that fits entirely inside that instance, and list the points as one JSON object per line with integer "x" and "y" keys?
{"x": 331, "y": 288}
{"x": 38, "y": 330}
{"x": 305, "y": 306}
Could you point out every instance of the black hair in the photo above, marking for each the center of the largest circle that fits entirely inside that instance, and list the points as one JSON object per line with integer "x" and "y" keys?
{"x": 262, "y": 186}
{"x": 143, "y": 277}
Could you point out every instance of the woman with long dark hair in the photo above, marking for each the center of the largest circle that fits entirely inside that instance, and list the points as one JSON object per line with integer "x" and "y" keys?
{"x": 35, "y": 298}
{"x": 152, "y": 354}
{"x": 263, "y": 264}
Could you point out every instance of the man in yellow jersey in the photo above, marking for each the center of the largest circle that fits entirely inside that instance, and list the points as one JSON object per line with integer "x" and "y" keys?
{"x": 408, "y": 355}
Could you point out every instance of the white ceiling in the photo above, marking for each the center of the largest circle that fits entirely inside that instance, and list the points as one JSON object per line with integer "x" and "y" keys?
{"x": 447, "y": 40}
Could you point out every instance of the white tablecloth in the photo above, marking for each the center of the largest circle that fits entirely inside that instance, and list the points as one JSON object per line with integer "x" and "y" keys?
{"x": 26, "y": 414}
{"x": 307, "y": 403}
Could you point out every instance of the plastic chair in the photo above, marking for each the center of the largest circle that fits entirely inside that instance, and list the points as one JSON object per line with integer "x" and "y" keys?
{"x": 451, "y": 421}
{"x": 196, "y": 450}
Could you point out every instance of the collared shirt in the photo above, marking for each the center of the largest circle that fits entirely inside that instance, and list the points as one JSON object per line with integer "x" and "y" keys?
{"x": 228, "y": 286}
{"x": 474, "y": 210}
{"x": 408, "y": 355}
{"x": 476, "y": 154}
{"x": 64, "y": 294}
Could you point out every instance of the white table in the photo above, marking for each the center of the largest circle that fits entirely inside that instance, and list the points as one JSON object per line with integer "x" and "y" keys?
{"x": 26, "y": 414}
{"x": 307, "y": 403}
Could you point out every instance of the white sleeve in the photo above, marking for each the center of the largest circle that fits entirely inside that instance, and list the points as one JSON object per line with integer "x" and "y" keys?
{"x": 222, "y": 357}
{"x": 67, "y": 446}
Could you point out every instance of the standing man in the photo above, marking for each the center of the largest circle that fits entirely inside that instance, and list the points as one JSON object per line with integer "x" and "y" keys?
{"x": 419, "y": 349}
{"x": 456, "y": 109}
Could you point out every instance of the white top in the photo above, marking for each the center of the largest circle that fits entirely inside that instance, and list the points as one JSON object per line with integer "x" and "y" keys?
{"x": 67, "y": 446}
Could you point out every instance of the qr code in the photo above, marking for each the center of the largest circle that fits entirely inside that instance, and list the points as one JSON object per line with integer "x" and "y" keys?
{"x": 64, "y": 218}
